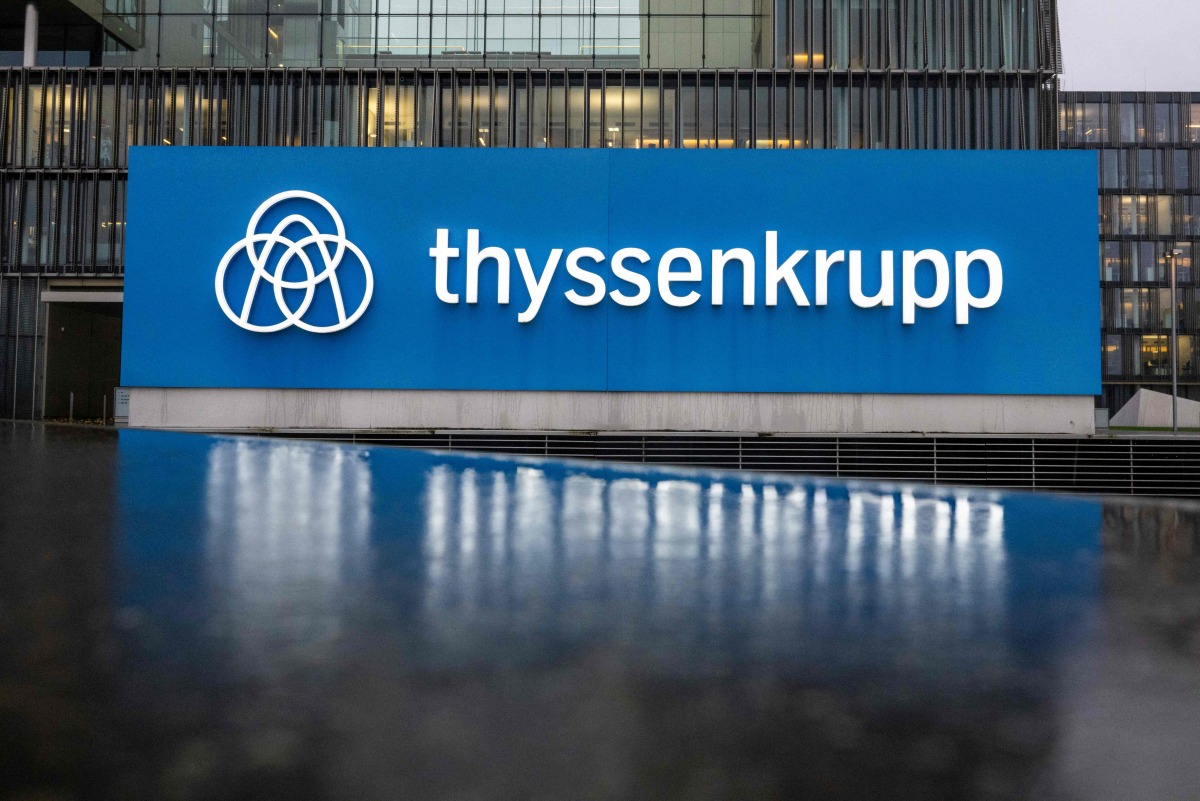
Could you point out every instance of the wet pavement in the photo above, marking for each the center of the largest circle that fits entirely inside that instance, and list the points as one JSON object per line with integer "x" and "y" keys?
{"x": 191, "y": 617}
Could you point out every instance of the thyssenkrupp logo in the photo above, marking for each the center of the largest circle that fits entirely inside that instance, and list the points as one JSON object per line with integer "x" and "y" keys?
{"x": 262, "y": 247}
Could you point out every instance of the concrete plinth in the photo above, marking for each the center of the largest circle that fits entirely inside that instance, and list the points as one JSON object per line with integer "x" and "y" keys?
{"x": 312, "y": 409}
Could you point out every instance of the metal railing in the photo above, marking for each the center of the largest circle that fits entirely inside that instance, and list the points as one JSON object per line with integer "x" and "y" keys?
{"x": 1149, "y": 466}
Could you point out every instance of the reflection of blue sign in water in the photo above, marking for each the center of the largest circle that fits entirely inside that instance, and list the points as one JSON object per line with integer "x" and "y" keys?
{"x": 266, "y": 539}
{"x": 881, "y": 272}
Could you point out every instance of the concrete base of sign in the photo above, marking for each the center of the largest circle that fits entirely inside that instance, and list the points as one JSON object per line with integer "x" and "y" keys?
{"x": 330, "y": 410}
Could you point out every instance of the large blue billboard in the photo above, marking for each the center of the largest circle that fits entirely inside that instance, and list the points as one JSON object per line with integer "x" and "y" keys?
{"x": 917, "y": 272}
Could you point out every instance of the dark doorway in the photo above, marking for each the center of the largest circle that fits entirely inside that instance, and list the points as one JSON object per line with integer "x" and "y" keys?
{"x": 83, "y": 358}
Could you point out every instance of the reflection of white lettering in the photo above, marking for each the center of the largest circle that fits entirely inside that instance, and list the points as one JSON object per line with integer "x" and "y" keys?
{"x": 685, "y": 266}
{"x": 828, "y": 552}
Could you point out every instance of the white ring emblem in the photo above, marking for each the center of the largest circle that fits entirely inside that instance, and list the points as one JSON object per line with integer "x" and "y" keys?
{"x": 259, "y": 246}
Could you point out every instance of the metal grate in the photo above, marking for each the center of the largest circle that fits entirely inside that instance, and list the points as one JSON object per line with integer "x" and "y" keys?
{"x": 1152, "y": 466}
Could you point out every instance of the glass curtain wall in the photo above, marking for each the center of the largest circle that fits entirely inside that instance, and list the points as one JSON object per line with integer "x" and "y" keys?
{"x": 787, "y": 34}
{"x": 65, "y": 135}
{"x": 470, "y": 33}
{"x": 917, "y": 34}
{"x": 1148, "y": 149}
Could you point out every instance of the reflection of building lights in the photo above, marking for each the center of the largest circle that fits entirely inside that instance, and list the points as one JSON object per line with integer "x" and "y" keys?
{"x": 288, "y": 536}
{"x": 520, "y": 536}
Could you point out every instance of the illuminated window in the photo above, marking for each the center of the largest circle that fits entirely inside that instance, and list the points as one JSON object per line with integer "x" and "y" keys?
{"x": 1154, "y": 355}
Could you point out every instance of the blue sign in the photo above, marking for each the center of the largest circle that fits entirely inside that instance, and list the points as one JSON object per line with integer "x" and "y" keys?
{"x": 917, "y": 272}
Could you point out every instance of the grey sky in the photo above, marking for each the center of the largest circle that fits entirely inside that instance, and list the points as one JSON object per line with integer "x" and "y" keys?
{"x": 1131, "y": 45}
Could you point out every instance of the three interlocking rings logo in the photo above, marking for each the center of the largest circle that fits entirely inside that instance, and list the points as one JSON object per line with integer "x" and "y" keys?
{"x": 261, "y": 248}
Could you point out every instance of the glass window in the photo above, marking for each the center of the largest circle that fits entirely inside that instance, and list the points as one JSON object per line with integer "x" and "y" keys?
{"x": 1186, "y": 346}
{"x": 31, "y": 233}
{"x": 1110, "y": 169}
{"x": 1110, "y": 261}
{"x": 674, "y": 41}
{"x": 818, "y": 120}
{"x": 1133, "y": 123}
{"x": 616, "y": 126}
{"x": 729, "y": 41}
{"x": 1143, "y": 262}
{"x": 1122, "y": 308}
{"x": 840, "y": 117}
{"x": 725, "y": 116}
{"x": 186, "y": 41}
{"x": 1194, "y": 123}
{"x": 876, "y": 117}
{"x": 762, "y": 116}
{"x": 1113, "y": 356}
{"x": 517, "y": 34}
{"x": 596, "y": 131}
{"x": 185, "y": 6}
{"x": 742, "y": 106}
{"x": 651, "y": 103}
{"x": 1182, "y": 169}
{"x": 117, "y": 54}
{"x": 876, "y": 56}
{"x": 670, "y": 96}
{"x": 396, "y": 38}
{"x": 106, "y": 224}
{"x": 241, "y": 41}
{"x": 1164, "y": 219}
{"x": 839, "y": 27}
{"x": 1066, "y": 124}
{"x": 1165, "y": 122}
{"x": 1154, "y": 355}
{"x": 1142, "y": 222}
{"x": 1131, "y": 213}
{"x": 1095, "y": 122}
{"x": 782, "y": 115}
{"x": 1183, "y": 262}
{"x": 1190, "y": 217}
{"x": 1148, "y": 177}
{"x": 1145, "y": 306}
{"x": 1164, "y": 308}
{"x": 386, "y": 7}
{"x": 819, "y": 46}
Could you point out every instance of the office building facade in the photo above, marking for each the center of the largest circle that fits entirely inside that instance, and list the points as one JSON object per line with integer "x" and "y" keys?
{"x": 1149, "y": 186}
{"x": 936, "y": 74}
